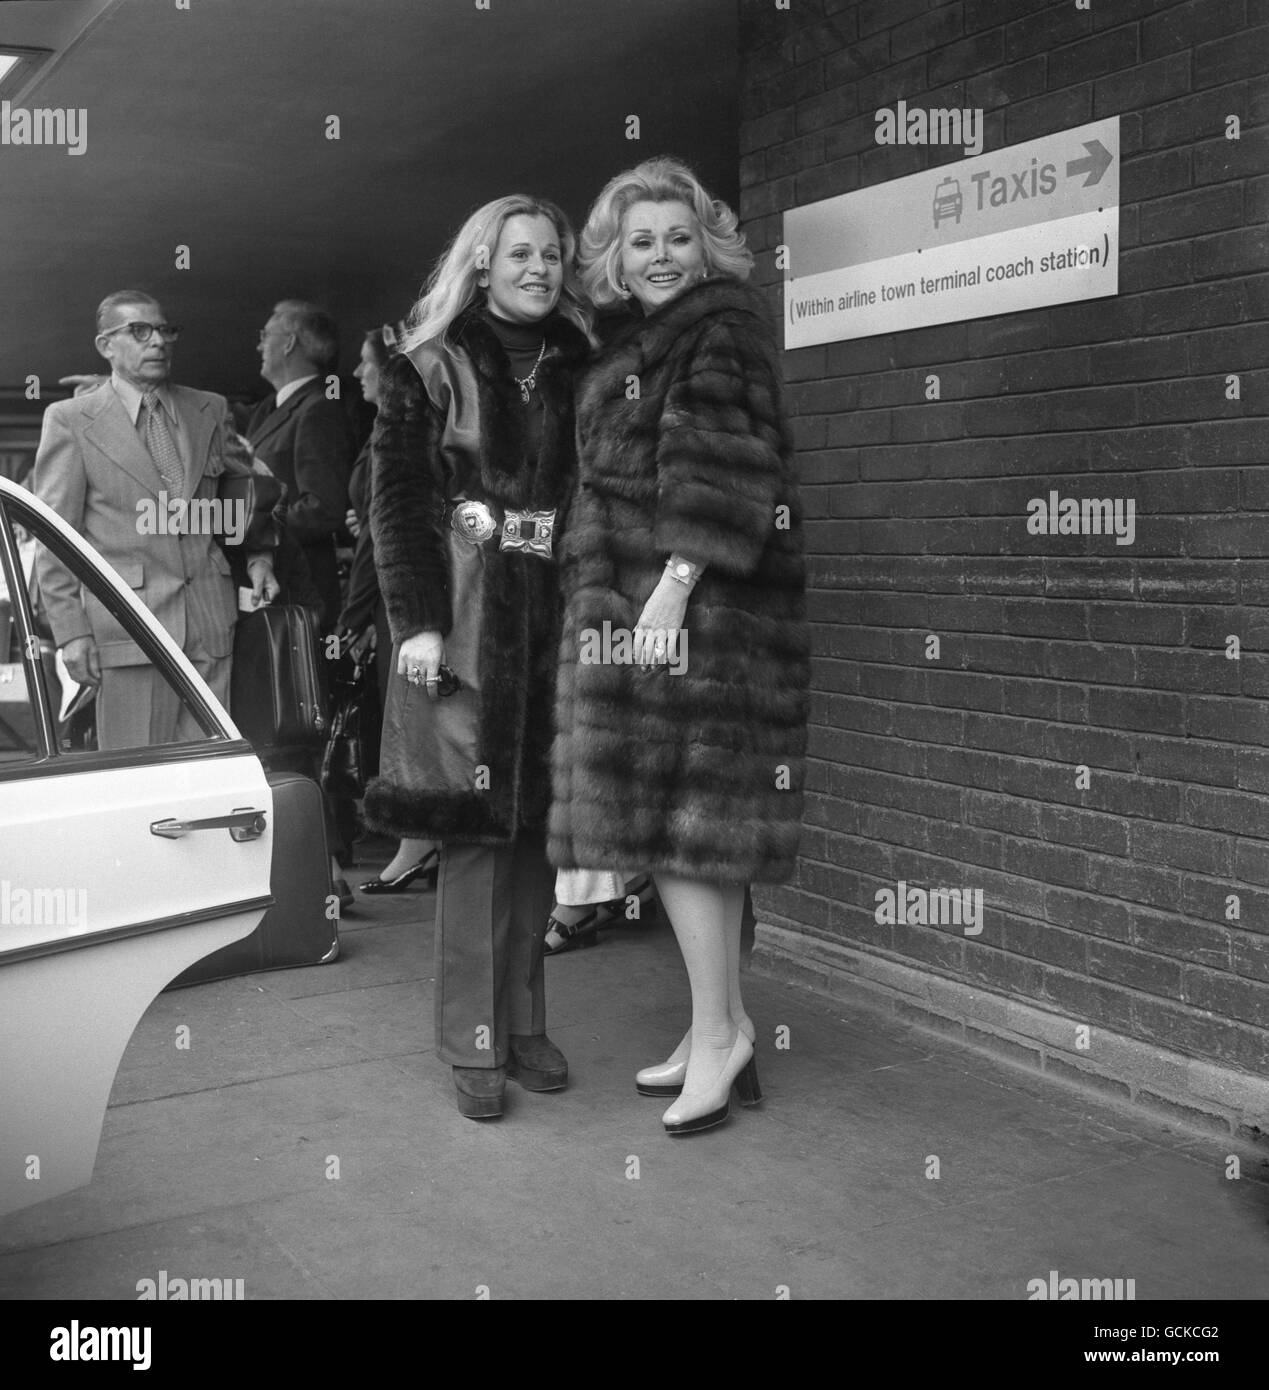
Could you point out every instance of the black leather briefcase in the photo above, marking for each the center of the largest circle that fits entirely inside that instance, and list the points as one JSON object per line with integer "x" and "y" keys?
{"x": 277, "y": 690}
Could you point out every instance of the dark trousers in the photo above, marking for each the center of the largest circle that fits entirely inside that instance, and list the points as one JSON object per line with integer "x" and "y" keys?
{"x": 492, "y": 905}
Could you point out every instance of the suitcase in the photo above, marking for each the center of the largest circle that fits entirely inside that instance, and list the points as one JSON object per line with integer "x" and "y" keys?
{"x": 295, "y": 930}
{"x": 277, "y": 693}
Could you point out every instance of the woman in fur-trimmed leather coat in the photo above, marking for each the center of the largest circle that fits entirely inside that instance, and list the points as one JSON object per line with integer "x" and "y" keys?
{"x": 473, "y": 464}
{"x": 688, "y": 763}
{"x": 500, "y": 611}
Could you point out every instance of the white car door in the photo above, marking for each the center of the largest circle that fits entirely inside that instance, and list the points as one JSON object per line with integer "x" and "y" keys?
{"x": 118, "y": 870}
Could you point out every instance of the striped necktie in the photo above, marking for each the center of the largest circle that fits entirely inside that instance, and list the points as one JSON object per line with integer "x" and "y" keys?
{"x": 162, "y": 447}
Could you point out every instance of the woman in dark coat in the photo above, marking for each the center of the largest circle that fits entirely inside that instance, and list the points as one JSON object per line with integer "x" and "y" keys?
{"x": 364, "y": 618}
{"x": 473, "y": 462}
{"x": 684, "y": 672}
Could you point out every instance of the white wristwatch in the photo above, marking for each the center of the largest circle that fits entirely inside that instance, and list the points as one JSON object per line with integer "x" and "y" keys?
{"x": 683, "y": 570}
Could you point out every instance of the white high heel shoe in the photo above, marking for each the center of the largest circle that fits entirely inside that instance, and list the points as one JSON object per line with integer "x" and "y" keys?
{"x": 666, "y": 1078}
{"x": 714, "y": 1107}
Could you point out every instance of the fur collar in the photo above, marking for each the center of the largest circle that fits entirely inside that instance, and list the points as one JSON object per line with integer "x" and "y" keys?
{"x": 508, "y": 474}
{"x": 648, "y": 339}
{"x": 472, "y": 333}
{"x": 658, "y": 331}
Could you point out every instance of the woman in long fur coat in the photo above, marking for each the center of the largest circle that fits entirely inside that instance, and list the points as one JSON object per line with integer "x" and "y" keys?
{"x": 682, "y": 700}
{"x": 472, "y": 466}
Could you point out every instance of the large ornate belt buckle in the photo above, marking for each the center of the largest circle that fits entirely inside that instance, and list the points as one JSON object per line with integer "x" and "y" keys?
{"x": 528, "y": 531}
{"x": 473, "y": 521}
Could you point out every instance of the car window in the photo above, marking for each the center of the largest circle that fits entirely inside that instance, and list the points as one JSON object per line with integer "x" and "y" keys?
{"x": 144, "y": 704}
{"x": 21, "y": 738}
{"x": 18, "y": 742}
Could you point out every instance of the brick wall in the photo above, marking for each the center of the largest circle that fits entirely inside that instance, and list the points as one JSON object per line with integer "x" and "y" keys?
{"x": 1107, "y": 904}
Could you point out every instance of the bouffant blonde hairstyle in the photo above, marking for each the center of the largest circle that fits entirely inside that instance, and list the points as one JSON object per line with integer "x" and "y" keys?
{"x": 661, "y": 180}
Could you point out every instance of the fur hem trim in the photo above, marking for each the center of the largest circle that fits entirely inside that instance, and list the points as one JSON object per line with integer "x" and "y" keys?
{"x": 466, "y": 817}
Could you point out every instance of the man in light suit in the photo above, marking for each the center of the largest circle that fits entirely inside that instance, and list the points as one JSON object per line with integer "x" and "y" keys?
{"x": 110, "y": 462}
{"x": 306, "y": 440}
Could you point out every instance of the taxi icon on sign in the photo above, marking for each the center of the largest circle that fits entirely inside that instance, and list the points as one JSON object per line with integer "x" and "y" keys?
{"x": 948, "y": 201}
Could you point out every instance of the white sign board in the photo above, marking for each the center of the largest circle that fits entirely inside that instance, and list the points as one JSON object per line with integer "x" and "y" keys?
{"x": 1017, "y": 228}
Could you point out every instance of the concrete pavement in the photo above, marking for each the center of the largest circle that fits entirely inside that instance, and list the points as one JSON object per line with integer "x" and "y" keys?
{"x": 308, "y": 1144}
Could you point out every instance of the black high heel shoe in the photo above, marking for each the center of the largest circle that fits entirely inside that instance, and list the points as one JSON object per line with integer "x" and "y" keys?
{"x": 428, "y": 865}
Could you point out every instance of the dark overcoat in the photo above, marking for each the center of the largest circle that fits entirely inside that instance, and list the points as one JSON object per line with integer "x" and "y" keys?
{"x": 309, "y": 446}
{"x": 473, "y": 767}
{"x": 683, "y": 447}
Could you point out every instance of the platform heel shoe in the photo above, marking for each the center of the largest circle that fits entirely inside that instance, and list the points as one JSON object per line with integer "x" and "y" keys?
{"x": 666, "y": 1078}
{"x": 479, "y": 1091}
{"x": 536, "y": 1063}
{"x": 741, "y": 1071}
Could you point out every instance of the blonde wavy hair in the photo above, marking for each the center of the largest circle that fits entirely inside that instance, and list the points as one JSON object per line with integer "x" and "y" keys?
{"x": 662, "y": 180}
{"x": 452, "y": 286}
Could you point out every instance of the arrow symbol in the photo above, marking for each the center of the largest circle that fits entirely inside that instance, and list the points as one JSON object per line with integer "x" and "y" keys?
{"x": 1094, "y": 164}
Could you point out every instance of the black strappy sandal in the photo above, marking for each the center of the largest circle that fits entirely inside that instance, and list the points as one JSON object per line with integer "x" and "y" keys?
{"x": 568, "y": 936}
{"x": 613, "y": 914}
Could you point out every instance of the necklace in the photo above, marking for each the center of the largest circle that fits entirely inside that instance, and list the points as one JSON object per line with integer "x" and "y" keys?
{"x": 528, "y": 383}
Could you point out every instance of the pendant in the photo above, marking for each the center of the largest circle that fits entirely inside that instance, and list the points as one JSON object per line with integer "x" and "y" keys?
{"x": 524, "y": 391}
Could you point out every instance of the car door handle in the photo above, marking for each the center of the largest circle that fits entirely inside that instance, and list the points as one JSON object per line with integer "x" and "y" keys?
{"x": 244, "y": 824}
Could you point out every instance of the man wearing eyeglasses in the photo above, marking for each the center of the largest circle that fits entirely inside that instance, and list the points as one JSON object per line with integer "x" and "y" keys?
{"x": 105, "y": 459}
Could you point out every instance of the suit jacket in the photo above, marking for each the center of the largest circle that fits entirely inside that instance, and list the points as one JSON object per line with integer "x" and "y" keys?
{"x": 308, "y": 443}
{"x": 93, "y": 469}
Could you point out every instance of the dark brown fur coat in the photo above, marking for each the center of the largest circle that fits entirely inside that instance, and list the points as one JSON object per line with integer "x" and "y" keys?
{"x": 474, "y": 767}
{"x": 700, "y": 773}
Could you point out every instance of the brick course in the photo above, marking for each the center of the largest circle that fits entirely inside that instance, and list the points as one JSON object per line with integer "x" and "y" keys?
{"x": 1106, "y": 903}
